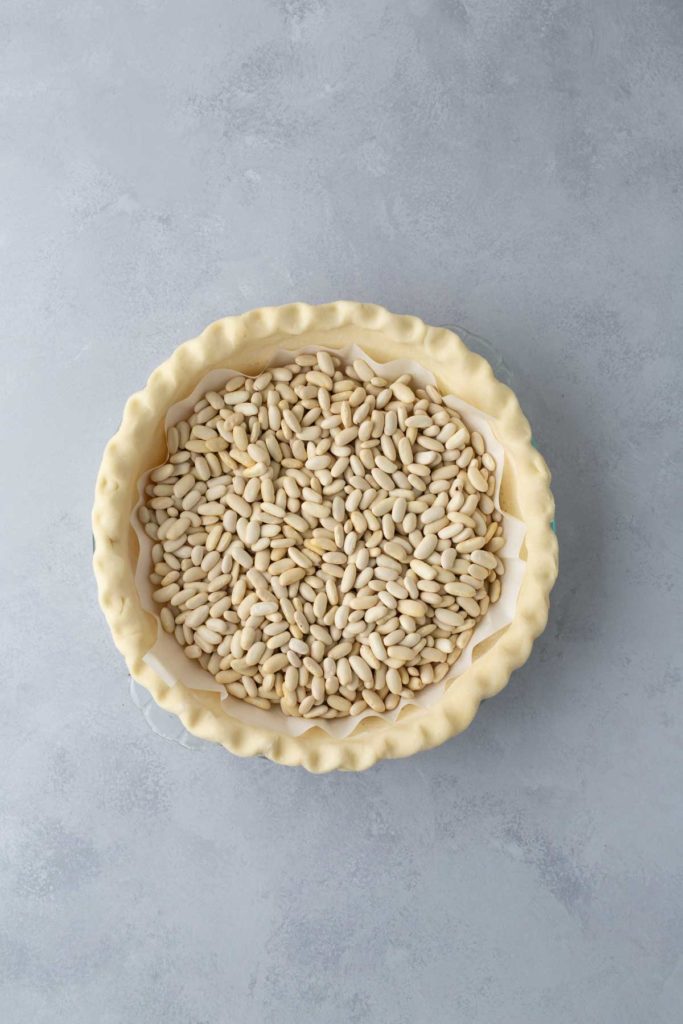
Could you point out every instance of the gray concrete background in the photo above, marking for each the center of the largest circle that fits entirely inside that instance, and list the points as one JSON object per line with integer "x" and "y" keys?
{"x": 513, "y": 167}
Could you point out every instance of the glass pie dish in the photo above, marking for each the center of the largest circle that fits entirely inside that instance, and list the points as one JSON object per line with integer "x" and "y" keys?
{"x": 246, "y": 344}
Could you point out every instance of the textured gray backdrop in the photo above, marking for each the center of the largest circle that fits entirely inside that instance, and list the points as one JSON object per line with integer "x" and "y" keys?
{"x": 512, "y": 167}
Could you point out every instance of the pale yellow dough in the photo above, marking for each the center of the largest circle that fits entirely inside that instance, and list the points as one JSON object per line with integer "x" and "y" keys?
{"x": 246, "y": 343}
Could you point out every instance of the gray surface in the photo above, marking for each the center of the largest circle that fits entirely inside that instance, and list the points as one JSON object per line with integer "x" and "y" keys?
{"x": 514, "y": 167}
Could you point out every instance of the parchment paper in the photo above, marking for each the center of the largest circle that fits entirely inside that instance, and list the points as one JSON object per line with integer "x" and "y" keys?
{"x": 166, "y": 656}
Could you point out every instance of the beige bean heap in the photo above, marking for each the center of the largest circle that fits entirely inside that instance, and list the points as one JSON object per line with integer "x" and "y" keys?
{"x": 325, "y": 540}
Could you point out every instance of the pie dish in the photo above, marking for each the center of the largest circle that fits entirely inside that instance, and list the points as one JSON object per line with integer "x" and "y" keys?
{"x": 246, "y": 343}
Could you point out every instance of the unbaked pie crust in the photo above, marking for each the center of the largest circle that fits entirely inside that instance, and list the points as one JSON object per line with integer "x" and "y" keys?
{"x": 246, "y": 343}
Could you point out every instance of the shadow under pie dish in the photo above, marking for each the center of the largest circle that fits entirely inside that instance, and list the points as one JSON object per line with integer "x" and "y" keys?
{"x": 246, "y": 345}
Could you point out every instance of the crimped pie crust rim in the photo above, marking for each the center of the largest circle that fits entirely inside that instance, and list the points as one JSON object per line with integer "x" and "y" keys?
{"x": 316, "y": 751}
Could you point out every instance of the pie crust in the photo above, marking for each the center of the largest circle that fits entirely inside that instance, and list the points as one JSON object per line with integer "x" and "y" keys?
{"x": 246, "y": 343}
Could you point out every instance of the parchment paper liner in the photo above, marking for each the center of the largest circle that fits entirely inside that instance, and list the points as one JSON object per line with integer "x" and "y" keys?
{"x": 166, "y": 657}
